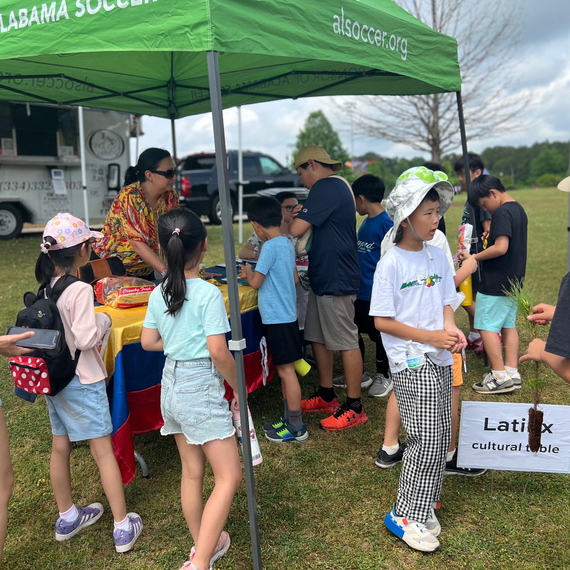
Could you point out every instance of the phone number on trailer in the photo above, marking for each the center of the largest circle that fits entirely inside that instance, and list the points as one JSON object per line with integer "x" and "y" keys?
{"x": 35, "y": 185}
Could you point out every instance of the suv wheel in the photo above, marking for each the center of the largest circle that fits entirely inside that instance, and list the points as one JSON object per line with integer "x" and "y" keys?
{"x": 215, "y": 214}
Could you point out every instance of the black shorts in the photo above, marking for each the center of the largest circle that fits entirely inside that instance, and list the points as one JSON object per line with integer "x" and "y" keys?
{"x": 364, "y": 321}
{"x": 283, "y": 342}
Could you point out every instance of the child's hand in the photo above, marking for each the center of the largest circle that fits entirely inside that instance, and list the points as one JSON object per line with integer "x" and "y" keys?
{"x": 542, "y": 314}
{"x": 444, "y": 339}
{"x": 534, "y": 351}
{"x": 463, "y": 255}
{"x": 461, "y": 340}
{"x": 470, "y": 263}
{"x": 243, "y": 270}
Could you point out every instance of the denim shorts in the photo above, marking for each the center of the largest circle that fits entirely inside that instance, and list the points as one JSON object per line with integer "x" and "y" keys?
{"x": 192, "y": 401}
{"x": 80, "y": 411}
{"x": 493, "y": 313}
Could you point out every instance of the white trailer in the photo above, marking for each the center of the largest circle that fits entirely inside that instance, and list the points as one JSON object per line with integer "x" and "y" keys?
{"x": 40, "y": 163}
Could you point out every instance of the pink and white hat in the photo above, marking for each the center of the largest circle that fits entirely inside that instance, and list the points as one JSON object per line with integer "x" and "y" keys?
{"x": 67, "y": 231}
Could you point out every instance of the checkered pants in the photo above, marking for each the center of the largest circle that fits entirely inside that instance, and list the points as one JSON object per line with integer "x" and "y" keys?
{"x": 424, "y": 401}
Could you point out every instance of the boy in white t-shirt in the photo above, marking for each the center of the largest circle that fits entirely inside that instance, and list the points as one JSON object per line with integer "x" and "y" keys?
{"x": 411, "y": 303}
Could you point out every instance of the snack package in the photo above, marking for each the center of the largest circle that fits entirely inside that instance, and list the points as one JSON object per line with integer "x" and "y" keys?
{"x": 464, "y": 241}
{"x": 123, "y": 292}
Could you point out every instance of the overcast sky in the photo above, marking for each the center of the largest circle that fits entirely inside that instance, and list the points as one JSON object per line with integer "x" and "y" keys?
{"x": 542, "y": 68}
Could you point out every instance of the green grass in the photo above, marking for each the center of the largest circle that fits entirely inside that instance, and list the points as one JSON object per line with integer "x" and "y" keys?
{"x": 321, "y": 504}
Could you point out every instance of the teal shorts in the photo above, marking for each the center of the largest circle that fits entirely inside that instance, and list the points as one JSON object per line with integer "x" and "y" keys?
{"x": 494, "y": 313}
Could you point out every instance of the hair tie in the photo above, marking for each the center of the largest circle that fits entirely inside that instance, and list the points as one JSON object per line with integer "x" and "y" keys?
{"x": 176, "y": 231}
{"x": 45, "y": 246}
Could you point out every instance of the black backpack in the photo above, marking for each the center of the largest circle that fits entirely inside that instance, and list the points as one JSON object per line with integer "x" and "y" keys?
{"x": 45, "y": 371}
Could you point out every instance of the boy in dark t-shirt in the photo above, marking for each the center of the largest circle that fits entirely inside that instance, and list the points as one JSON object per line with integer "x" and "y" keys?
{"x": 503, "y": 264}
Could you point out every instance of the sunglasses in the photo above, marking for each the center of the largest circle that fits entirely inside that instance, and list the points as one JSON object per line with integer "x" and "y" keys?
{"x": 170, "y": 173}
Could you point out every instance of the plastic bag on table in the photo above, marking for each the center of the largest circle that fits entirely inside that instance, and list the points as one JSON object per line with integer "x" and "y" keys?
{"x": 123, "y": 292}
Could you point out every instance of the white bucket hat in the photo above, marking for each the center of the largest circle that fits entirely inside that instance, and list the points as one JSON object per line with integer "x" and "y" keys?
{"x": 564, "y": 185}
{"x": 411, "y": 188}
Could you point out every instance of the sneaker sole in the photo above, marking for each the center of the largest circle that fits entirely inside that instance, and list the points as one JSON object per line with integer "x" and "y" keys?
{"x": 126, "y": 547}
{"x": 357, "y": 422}
{"x": 465, "y": 474}
{"x": 387, "y": 465}
{"x": 402, "y": 535}
{"x": 508, "y": 390}
{"x": 62, "y": 537}
{"x": 383, "y": 395}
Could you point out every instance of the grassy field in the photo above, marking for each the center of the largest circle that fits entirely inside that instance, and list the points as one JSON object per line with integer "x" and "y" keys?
{"x": 321, "y": 504}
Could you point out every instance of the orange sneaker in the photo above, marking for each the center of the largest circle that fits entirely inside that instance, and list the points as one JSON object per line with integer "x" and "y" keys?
{"x": 317, "y": 404}
{"x": 344, "y": 418}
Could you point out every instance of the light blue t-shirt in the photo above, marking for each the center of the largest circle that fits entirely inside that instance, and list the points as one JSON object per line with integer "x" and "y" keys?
{"x": 203, "y": 314}
{"x": 277, "y": 297}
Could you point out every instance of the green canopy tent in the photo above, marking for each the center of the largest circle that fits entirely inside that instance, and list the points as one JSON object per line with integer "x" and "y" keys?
{"x": 172, "y": 58}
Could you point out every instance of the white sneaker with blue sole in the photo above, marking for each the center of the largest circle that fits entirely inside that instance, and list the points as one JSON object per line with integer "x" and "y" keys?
{"x": 413, "y": 533}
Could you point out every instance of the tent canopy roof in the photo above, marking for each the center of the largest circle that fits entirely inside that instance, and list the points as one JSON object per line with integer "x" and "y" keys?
{"x": 147, "y": 56}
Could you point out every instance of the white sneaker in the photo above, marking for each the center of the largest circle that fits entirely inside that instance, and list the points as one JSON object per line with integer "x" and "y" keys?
{"x": 413, "y": 533}
{"x": 492, "y": 384}
{"x": 381, "y": 386}
{"x": 340, "y": 381}
{"x": 432, "y": 524}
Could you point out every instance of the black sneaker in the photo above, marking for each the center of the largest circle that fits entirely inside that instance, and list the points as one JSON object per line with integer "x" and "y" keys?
{"x": 452, "y": 469}
{"x": 385, "y": 460}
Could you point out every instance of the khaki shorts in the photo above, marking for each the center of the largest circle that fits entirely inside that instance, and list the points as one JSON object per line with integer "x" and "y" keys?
{"x": 330, "y": 321}
{"x": 457, "y": 368}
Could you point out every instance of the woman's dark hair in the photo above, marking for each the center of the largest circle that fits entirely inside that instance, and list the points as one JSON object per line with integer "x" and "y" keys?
{"x": 58, "y": 258}
{"x": 148, "y": 160}
{"x": 369, "y": 186}
{"x": 181, "y": 235}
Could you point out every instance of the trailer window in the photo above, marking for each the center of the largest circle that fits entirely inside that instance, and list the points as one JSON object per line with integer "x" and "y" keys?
{"x": 37, "y": 130}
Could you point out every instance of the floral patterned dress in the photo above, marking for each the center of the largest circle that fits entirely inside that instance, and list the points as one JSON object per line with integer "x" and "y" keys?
{"x": 132, "y": 219}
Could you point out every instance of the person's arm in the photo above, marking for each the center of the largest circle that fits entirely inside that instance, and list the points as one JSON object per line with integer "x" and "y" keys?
{"x": 223, "y": 359}
{"x": 151, "y": 340}
{"x": 468, "y": 267}
{"x": 500, "y": 247}
{"x": 450, "y": 326}
{"x": 247, "y": 251}
{"x": 145, "y": 252}
{"x": 486, "y": 225}
{"x": 298, "y": 227}
{"x": 296, "y": 276}
{"x": 536, "y": 351}
{"x": 439, "y": 339}
{"x": 542, "y": 314}
{"x": 254, "y": 278}
{"x": 8, "y": 346}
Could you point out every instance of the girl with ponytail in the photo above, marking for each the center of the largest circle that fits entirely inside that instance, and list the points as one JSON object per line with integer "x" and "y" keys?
{"x": 186, "y": 318}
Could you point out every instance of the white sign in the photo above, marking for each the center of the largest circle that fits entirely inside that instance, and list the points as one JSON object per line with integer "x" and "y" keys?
{"x": 494, "y": 435}
{"x": 58, "y": 181}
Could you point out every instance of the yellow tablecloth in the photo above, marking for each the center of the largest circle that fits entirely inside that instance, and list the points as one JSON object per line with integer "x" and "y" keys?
{"x": 127, "y": 323}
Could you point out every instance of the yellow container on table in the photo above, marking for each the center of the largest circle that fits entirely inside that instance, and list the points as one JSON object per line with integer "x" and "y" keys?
{"x": 467, "y": 289}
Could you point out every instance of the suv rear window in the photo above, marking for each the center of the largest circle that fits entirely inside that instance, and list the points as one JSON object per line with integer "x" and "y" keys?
{"x": 200, "y": 162}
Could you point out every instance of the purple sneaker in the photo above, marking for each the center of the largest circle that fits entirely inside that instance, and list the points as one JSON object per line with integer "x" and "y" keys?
{"x": 87, "y": 516}
{"x": 125, "y": 539}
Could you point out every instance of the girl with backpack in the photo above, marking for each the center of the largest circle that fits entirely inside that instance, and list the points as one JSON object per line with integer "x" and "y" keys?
{"x": 186, "y": 318}
{"x": 81, "y": 410}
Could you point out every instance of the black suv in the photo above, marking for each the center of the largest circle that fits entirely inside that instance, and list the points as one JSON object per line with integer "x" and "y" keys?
{"x": 198, "y": 180}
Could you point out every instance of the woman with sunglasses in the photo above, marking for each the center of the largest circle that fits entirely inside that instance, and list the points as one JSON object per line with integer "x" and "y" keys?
{"x": 130, "y": 230}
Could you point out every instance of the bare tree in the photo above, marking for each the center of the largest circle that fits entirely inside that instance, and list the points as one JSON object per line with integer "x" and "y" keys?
{"x": 487, "y": 35}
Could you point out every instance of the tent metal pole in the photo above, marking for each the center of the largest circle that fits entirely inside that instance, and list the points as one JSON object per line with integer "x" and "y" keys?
{"x": 466, "y": 162}
{"x": 173, "y": 132}
{"x": 83, "y": 164}
{"x": 238, "y": 342}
